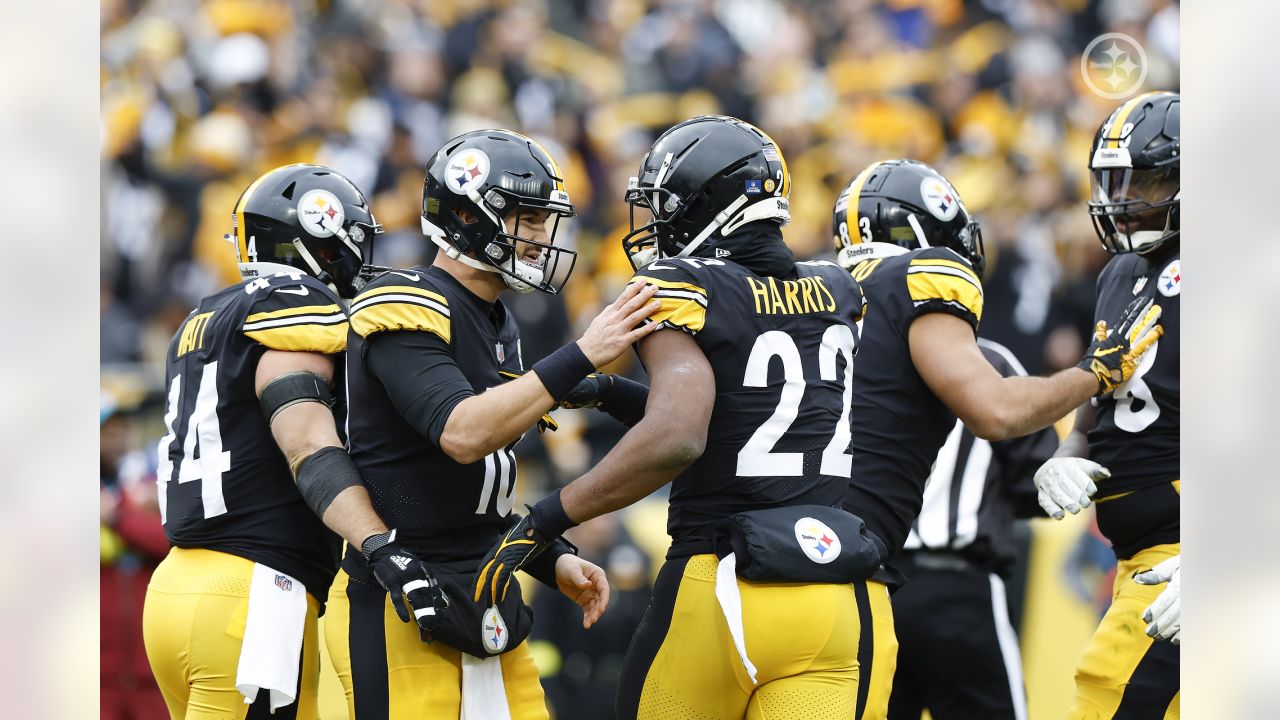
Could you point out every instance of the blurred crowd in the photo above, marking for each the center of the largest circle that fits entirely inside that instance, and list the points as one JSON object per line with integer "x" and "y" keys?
{"x": 198, "y": 98}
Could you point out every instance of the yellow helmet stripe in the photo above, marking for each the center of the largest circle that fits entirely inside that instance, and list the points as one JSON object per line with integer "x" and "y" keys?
{"x": 1122, "y": 115}
{"x": 855, "y": 193}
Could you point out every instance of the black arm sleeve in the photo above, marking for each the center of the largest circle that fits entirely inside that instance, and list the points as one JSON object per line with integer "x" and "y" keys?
{"x": 626, "y": 400}
{"x": 421, "y": 378}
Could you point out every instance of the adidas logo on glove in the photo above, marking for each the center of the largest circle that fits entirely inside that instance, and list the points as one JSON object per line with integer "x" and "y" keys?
{"x": 401, "y": 561}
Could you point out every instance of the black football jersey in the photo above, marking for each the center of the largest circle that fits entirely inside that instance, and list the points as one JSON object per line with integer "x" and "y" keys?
{"x": 782, "y": 352}
{"x": 898, "y": 423}
{"x": 1135, "y": 434}
{"x": 447, "y": 512}
{"x": 223, "y": 482}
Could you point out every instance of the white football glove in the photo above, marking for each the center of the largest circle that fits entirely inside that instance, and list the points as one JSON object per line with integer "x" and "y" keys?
{"x": 1066, "y": 483}
{"x": 1165, "y": 614}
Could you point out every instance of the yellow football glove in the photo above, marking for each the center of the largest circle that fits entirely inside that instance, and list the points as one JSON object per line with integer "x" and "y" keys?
{"x": 1114, "y": 355}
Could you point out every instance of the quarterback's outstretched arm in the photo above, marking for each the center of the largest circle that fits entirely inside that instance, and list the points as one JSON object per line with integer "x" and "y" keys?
{"x": 485, "y": 423}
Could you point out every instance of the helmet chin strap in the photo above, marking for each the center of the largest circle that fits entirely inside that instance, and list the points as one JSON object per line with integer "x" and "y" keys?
{"x": 919, "y": 231}
{"x": 316, "y": 270}
{"x": 523, "y": 284}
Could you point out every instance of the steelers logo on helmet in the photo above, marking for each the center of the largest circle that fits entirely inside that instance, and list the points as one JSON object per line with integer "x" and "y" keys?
{"x": 320, "y": 212}
{"x": 468, "y": 168}
{"x": 940, "y": 199}
{"x": 818, "y": 541}
{"x": 493, "y": 630}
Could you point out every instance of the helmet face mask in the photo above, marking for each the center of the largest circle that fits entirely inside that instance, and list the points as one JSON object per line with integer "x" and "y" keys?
{"x": 1135, "y": 196}
{"x": 305, "y": 218}
{"x": 479, "y": 191}
{"x": 703, "y": 179}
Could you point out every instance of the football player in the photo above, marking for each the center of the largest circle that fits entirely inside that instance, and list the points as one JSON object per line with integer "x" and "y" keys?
{"x": 905, "y": 235}
{"x": 1124, "y": 448}
{"x": 747, "y": 418}
{"x": 434, "y": 421}
{"x": 252, "y": 468}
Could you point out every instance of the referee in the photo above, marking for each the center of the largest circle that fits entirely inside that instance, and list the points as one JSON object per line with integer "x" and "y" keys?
{"x": 953, "y": 605}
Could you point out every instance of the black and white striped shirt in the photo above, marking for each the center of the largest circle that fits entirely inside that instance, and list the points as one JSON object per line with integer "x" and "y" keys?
{"x": 977, "y": 488}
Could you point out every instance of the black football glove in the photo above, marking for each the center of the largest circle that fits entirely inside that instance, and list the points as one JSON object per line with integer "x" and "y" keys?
{"x": 415, "y": 594}
{"x": 522, "y": 543}
{"x": 588, "y": 393}
{"x": 1114, "y": 355}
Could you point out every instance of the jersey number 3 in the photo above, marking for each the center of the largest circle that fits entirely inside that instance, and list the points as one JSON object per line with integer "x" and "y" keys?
{"x": 202, "y": 427}
{"x": 757, "y": 458}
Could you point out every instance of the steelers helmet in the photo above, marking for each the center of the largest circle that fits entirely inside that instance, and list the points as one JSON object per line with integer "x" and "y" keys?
{"x": 472, "y": 198}
{"x": 304, "y": 217}
{"x": 702, "y": 180}
{"x": 1134, "y": 166}
{"x": 905, "y": 203}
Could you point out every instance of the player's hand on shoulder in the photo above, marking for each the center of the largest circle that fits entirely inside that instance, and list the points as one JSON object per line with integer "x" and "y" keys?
{"x": 1164, "y": 616}
{"x": 585, "y": 583}
{"x": 1066, "y": 484}
{"x": 415, "y": 593}
{"x": 1118, "y": 346}
{"x": 618, "y": 325}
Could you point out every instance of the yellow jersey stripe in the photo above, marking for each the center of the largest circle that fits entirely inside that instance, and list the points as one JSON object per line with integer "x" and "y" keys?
{"x": 925, "y": 287}
{"x": 962, "y": 267}
{"x": 288, "y": 312}
{"x": 851, "y": 210}
{"x": 390, "y": 316}
{"x": 399, "y": 289}
{"x": 669, "y": 284}
{"x": 327, "y": 339}
{"x": 680, "y": 313}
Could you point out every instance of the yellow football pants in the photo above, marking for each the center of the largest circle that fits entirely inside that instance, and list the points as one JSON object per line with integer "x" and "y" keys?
{"x": 389, "y": 673}
{"x": 820, "y": 650}
{"x": 1124, "y": 674}
{"x": 192, "y": 624}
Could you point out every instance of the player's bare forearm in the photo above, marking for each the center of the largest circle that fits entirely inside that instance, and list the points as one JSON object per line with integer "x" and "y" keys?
{"x": 1032, "y": 403}
{"x": 495, "y": 418}
{"x": 1076, "y": 443}
{"x": 670, "y": 437}
{"x": 351, "y": 515}
{"x": 648, "y": 457}
{"x": 992, "y": 406}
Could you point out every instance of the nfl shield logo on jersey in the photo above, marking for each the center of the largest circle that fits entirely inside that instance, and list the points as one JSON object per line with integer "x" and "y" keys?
{"x": 493, "y": 630}
{"x": 284, "y": 582}
{"x": 501, "y": 351}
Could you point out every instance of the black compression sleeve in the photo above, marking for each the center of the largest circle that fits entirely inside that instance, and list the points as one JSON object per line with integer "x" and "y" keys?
{"x": 626, "y": 400}
{"x": 421, "y": 378}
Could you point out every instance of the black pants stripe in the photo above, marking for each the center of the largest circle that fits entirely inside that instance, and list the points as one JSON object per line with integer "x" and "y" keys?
{"x": 866, "y": 646}
{"x": 648, "y": 639}
{"x": 366, "y": 636}
{"x": 1149, "y": 692}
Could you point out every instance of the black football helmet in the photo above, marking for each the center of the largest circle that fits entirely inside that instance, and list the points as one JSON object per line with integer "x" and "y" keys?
{"x": 308, "y": 218}
{"x": 703, "y": 179}
{"x": 1134, "y": 172}
{"x": 487, "y": 177}
{"x": 905, "y": 203}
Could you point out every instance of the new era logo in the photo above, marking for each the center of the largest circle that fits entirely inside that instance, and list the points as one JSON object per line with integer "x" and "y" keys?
{"x": 401, "y": 561}
{"x": 721, "y": 252}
